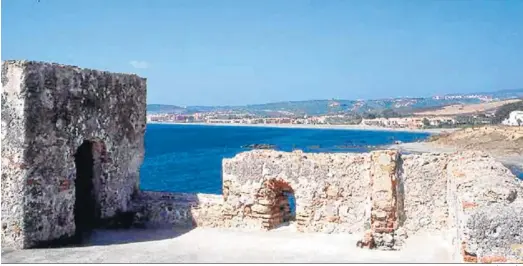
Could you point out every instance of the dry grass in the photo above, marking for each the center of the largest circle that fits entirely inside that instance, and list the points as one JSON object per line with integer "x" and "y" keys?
{"x": 494, "y": 139}
{"x": 459, "y": 109}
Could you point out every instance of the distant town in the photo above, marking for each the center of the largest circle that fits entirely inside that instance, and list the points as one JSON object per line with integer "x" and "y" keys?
{"x": 415, "y": 121}
{"x": 225, "y": 118}
{"x": 447, "y": 111}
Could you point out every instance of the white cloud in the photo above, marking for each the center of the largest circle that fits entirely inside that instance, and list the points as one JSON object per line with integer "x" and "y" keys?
{"x": 139, "y": 64}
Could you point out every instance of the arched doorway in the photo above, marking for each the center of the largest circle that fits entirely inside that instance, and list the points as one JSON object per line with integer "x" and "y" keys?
{"x": 85, "y": 216}
{"x": 280, "y": 196}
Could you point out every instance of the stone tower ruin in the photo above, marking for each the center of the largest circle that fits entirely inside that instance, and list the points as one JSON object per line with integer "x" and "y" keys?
{"x": 72, "y": 146}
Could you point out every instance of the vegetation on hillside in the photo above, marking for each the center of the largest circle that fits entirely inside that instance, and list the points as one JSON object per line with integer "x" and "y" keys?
{"x": 394, "y": 107}
{"x": 503, "y": 111}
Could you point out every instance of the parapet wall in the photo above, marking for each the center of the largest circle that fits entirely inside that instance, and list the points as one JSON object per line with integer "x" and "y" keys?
{"x": 425, "y": 192}
{"x": 383, "y": 196}
{"x": 331, "y": 190}
{"x": 159, "y": 209}
{"x": 485, "y": 202}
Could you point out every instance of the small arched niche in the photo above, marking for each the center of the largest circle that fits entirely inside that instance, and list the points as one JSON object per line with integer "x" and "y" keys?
{"x": 282, "y": 204}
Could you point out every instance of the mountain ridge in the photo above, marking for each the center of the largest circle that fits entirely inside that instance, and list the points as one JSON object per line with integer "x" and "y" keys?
{"x": 330, "y": 106}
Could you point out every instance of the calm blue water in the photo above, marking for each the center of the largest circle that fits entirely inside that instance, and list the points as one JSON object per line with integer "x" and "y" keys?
{"x": 518, "y": 172}
{"x": 187, "y": 158}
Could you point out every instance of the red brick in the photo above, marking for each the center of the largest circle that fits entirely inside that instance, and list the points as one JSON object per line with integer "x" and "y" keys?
{"x": 466, "y": 256}
{"x": 367, "y": 241}
{"x": 383, "y": 230}
{"x": 493, "y": 259}
{"x": 468, "y": 205}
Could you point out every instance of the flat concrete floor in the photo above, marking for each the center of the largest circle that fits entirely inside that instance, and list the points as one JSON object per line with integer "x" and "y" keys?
{"x": 230, "y": 246}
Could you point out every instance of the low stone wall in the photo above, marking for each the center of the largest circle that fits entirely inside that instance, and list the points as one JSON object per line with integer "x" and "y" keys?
{"x": 383, "y": 195}
{"x": 425, "y": 192}
{"x": 331, "y": 190}
{"x": 160, "y": 209}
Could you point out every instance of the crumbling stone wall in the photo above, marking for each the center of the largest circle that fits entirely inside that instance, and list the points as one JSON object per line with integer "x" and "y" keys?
{"x": 425, "y": 184}
{"x": 183, "y": 210}
{"x": 485, "y": 207}
{"x": 392, "y": 195}
{"x": 386, "y": 201}
{"x": 331, "y": 190}
{"x": 48, "y": 111}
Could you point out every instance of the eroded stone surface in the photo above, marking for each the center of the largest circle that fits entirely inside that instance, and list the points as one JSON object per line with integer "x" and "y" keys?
{"x": 331, "y": 190}
{"x": 383, "y": 196}
{"x": 482, "y": 193}
{"x": 386, "y": 204}
{"x": 495, "y": 233}
{"x": 425, "y": 185}
{"x": 182, "y": 210}
{"x": 48, "y": 111}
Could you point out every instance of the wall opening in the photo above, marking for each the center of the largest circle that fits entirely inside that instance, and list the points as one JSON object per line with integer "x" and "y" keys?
{"x": 290, "y": 207}
{"x": 282, "y": 209}
{"x": 85, "y": 216}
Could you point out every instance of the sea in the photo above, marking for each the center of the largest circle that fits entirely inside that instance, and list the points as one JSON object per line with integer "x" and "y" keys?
{"x": 188, "y": 158}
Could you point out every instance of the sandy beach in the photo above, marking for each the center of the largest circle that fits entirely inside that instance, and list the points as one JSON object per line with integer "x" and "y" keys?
{"x": 339, "y": 127}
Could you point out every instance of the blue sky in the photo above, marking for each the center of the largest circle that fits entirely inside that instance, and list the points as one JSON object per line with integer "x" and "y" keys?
{"x": 225, "y": 52}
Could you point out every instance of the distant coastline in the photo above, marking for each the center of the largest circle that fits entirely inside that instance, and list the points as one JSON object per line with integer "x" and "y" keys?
{"x": 309, "y": 126}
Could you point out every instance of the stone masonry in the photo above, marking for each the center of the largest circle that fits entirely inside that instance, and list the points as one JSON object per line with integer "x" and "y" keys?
{"x": 72, "y": 145}
{"x": 330, "y": 190}
{"x": 383, "y": 196}
{"x": 386, "y": 202}
{"x": 485, "y": 204}
{"x": 48, "y": 112}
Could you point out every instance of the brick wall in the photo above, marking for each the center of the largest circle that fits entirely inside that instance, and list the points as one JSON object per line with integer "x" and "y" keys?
{"x": 384, "y": 200}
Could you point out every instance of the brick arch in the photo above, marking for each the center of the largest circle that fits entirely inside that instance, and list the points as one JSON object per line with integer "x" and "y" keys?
{"x": 274, "y": 196}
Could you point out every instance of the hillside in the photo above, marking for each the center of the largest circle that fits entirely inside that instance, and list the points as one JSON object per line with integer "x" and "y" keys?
{"x": 334, "y": 106}
{"x": 164, "y": 108}
{"x": 503, "y": 142}
{"x": 461, "y": 109}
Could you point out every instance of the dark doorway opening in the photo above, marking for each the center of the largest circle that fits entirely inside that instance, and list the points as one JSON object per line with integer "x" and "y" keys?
{"x": 85, "y": 203}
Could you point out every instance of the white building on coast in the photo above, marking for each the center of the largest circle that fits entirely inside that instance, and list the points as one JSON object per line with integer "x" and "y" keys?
{"x": 515, "y": 118}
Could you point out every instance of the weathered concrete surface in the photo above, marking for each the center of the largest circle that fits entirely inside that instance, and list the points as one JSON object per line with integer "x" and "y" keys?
{"x": 213, "y": 245}
{"x": 48, "y": 111}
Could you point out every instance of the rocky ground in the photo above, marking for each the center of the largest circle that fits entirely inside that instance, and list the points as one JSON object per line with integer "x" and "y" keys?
{"x": 207, "y": 245}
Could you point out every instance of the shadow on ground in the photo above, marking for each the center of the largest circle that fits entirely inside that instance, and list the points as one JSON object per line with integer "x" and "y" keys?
{"x": 173, "y": 212}
{"x": 101, "y": 237}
